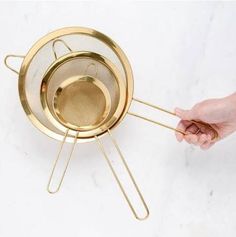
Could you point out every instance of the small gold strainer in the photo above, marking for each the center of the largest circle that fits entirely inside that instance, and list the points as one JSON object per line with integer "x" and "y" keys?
{"x": 82, "y": 103}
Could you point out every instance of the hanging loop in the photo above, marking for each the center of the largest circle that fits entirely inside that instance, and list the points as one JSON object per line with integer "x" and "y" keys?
{"x": 59, "y": 41}
{"x": 95, "y": 66}
{"x": 7, "y": 64}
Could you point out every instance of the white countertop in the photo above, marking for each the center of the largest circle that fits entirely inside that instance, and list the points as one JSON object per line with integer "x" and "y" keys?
{"x": 180, "y": 53}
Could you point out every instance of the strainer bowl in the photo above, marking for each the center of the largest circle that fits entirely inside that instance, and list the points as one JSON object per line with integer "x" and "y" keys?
{"x": 41, "y": 56}
{"x": 78, "y": 65}
{"x": 81, "y": 103}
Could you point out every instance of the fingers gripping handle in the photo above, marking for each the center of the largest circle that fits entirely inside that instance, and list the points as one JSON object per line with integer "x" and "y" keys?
{"x": 214, "y": 132}
{"x": 101, "y": 147}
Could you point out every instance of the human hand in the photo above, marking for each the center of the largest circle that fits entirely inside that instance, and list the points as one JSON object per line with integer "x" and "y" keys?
{"x": 220, "y": 114}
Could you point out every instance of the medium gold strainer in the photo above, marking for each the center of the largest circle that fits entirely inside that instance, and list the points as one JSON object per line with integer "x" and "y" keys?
{"x": 47, "y": 102}
{"x": 78, "y": 63}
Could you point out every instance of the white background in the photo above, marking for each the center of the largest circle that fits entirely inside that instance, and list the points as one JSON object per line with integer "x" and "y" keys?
{"x": 180, "y": 53}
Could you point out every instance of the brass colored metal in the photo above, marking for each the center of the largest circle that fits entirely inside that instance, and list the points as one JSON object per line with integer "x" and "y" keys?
{"x": 66, "y": 164}
{"x": 96, "y": 69}
{"x": 118, "y": 180}
{"x": 153, "y": 106}
{"x": 156, "y": 122}
{"x": 214, "y": 132}
{"x": 75, "y": 106}
{"x": 54, "y": 36}
{"x": 54, "y": 44}
{"x": 82, "y": 103}
{"x": 118, "y": 95}
{"x": 8, "y": 66}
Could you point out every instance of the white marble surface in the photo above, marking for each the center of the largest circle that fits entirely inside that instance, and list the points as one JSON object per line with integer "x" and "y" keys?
{"x": 180, "y": 53}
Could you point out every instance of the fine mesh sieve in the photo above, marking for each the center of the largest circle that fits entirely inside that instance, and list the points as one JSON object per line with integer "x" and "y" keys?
{"x": 79, "y": 63}
{"x": 40, "y": 57}
{"x": 45, "y": 79}
{"x": 81, "y": 103}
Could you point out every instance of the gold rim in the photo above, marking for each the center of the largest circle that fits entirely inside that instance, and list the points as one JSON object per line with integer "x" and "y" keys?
{"x": 70, "y": 81}
{"x": 52, "y": 36}
{"x": 110, "y": 66}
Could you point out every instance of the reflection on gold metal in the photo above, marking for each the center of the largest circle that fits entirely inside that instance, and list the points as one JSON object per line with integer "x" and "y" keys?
{"x": 82, "y": 103}
{"x": 75, "y": 31}
{"x": 118, "y": 97}
{"x": 49, "y": 189}
{"x": 118, "y": 180}
{"x": 81, "y": 108}
{"x": 8, "y": 66}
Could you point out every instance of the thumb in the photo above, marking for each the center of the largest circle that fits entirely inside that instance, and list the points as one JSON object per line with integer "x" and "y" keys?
{"x": 184, "y": 114}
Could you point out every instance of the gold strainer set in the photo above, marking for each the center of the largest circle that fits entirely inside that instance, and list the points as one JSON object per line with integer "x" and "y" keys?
{"x": 80, "y": 95}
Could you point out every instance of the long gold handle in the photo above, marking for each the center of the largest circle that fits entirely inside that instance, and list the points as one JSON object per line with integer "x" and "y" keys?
{"x": 215, "y": 133}
{"x": 59, "y": 41}
{"x": 118, "y": 180}
{"x": 66, "y": 164}
{"x": 12, "y": 56}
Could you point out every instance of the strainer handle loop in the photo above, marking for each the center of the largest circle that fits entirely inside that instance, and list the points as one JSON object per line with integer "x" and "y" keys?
{"x": 214, "y": 132}
{"x": 59, "y": 41}
{"x": 49, "y": 189}
{"x": 12, "y": 56}
{"x": 89, "y": 65}
{"x": 118, "y": 180}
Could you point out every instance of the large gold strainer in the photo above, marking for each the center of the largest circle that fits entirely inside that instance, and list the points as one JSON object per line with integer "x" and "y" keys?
{"x": 49, "y": 106}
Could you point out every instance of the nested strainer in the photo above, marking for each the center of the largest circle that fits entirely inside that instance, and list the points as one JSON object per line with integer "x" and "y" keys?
{"x": 99, "y": 93}
{"x": 45, "y": 92}
{"x": 78, "y": 103}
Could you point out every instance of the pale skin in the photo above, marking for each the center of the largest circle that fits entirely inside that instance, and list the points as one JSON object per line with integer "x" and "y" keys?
{"x": 219, "y": 113}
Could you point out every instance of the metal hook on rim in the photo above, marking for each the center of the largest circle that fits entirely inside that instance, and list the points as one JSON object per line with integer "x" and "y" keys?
{"x": 118, "y": 180}
{"x": 61, "y": 41}
{"x": 88, "y": 66}
{"x": 12, "y": 56}
{"x": 66, "y": 165}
